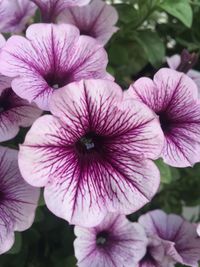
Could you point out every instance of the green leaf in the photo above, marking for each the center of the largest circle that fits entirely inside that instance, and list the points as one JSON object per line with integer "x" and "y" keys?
{"x": 152, "y": 45}
{"x": 180, "y": 9}
{"x": 165, "y": 172}
{"x": 41, "y": 200}
{"x": 17, "y": 245}
{"x": 127, "y": 13}
{"x": 71, "y": 261}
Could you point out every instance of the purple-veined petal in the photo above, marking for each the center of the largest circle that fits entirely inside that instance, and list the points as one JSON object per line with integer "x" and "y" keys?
{"x": 18, "y": 199}
{"x": 96, "y": 20}
{"x": 51, "y": 57}
{"x": 50, "y": 9}
{"x": 15, "y": 15}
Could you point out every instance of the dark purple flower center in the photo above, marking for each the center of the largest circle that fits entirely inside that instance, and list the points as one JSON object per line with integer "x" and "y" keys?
{"x": 165, "y": 122}
{"x": 87, "y": 32}
{"x": 90, "y": 143}
{"x": 57, "y": 80}
{"x": 6, "y": 100}
{"x": 188, "y": 61}
{"x": 102, "y": 238}
{"x": 2, "y": 197}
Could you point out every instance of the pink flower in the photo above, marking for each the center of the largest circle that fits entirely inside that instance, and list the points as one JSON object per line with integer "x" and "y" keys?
{"x": 184, "y": 63}
{"x": 15, "y": 14}
{"x": 14, "y": 111}
{"x": 92, "y": 156}
{"x": 115, "y": 242}
{"x": 173, "y": 96}
{"x": 51, "y": 57}
{"x": 178, "y": 236}
{"x": 18, "y": 199}
{"x": 50, "y": 9}
{"x": 96, "y": 20}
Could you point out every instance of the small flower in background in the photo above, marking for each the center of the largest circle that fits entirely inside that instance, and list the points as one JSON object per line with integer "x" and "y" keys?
{"x": 51, "y": 57}
{"x": 18, "y": 200}
{"x": 178, "y": 236}
{"x": 114, "y": 242}
{"x": 92, "y": 156}
{"x": 15, "y": 14}
{"x": 14, "y": 111}
{"x": 184, "y": 63}
{"x": 50, "y": 9}
{"x": 96, "y": 20}
{"x": 173, "y": 96}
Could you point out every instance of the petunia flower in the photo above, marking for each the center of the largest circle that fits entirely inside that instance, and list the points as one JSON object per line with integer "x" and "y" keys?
{"x": 92, "y": 156}
{"x": 115, "y": 242}
{"x": 49, "y": 58}
{"x": 178, "y": 236}
{"x": 96, "y": 20}
{"x": 15, "y": 14}
{"x": 14, "y": 111}
{"x": 18, "y": 199}
{"x": 185, "y": 63}
{"x": 50, "y": 9}
{"x": 155, "y": 255}
{"x": 173, "y": 96}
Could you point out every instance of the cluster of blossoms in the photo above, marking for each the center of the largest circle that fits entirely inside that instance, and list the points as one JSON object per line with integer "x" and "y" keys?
{"x": 156, "y": 240}
{"x": 93, "y": 153}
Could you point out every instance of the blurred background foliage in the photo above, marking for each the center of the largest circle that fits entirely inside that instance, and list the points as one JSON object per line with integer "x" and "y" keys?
{"x": 148, "y": 31}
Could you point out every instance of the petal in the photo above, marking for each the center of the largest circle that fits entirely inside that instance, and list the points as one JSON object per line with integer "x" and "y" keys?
{"x": 159, "y": 223}
{"x": 132, "y": 184}
{"x": 7, "y": 238}
{"x": 5, "y": 82}
{"x": 96, "y": 19}
{"x": 173, "y": 61}
{"x": 182, "y": 146}
{"x": 195, "y": 76}
{"x": 33, "y": 168}
{"x": 19, "y": 113}
{"x": 110, "y": 192}
{"x": 187, "y": 244}
{"x": 2, "y": 40}
{"x": 20, "y": 199}
{"x": 39, "y": 92}
{"x": 76, "y": 98}
{"x": 19, "y": 58}
{"x": 15, "y": 15}
{"x": 47, "y": 42}
{"x": 169, "y": 89}
{"x": 88, "y": 61}
{"x": 50, "y": 9}
{"x": 198, "y": 229}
